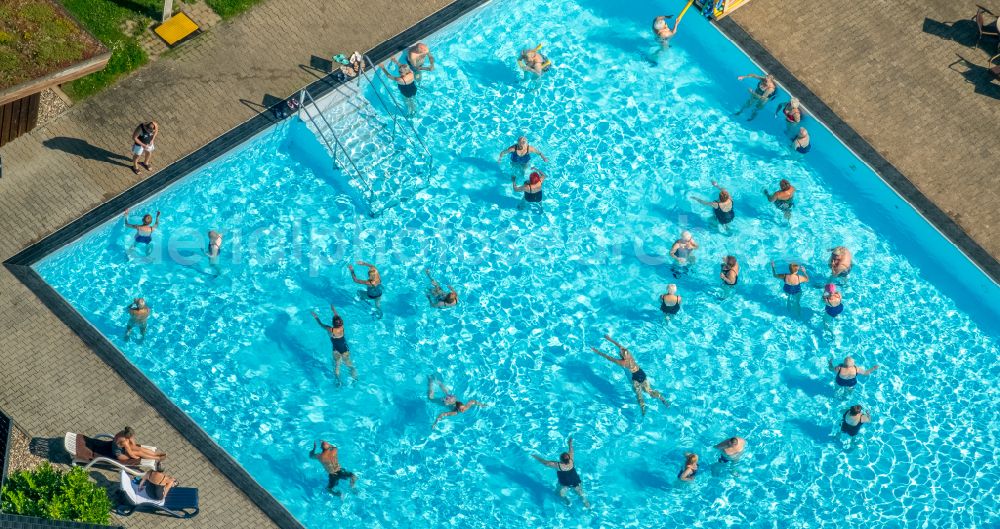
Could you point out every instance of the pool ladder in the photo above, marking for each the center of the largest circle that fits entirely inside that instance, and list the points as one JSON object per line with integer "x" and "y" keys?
{"x": 393, "y": 190}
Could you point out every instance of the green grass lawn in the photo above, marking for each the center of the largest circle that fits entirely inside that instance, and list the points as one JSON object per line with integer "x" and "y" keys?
{"x": 230, "y": 8}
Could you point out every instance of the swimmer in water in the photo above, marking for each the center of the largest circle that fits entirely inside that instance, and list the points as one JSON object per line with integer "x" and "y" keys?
{"x": 373, "y": 286}
{"x": 144, "y": 231}
{"x": 407, "y": 84}
{"x": 670, "y": 303}
{"x": 847, "y": 374}
{"x": 416, "y": 56}
{"x": 792, "y": 285}
{"x": 760, "y": 95}
{"x": 852, "y": 421}
{"x": 448, "y": 399}
{"x": 783, "y": 198}
{"x": 731, "y": 450}
{"x": 214, "y": 249}
{"x": 690, "y": 467}
{"x": 833, "y": 303}
{"x": 722, "y": 208}
{"x": 138, "y": 315}
{"x": 793, "y": 115}
{"x": 801, "y": 141}
{"x": 328, "y": 457}
{"x": 532, "y": 190}
{"x": 681, "y": 252}
{"x": 640, "y": 382}
{"x": 730, "y": 275}
{"x": 662, "y": 31}
{"x": 534, "y": 62}
{"x": 341, "y": 352}
{"x": 566, "y": 473}
{"x": 520, "y": 155}
{"x": 436, "y": 295}
{"x": 841, "y": 261}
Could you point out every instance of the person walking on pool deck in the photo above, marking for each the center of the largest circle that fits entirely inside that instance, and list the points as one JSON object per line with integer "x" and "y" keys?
{"x": 415, "y": 57}
{"x": 847, "y": 374}
{"x": 373, "y": 290}
{"x": 144, "y": 231}
{"x": 532, "y": 190}
{"x": 722, "y": 208}
{"x": 138, "y": 315}
{"x": 841, "y": 261}
{"x": 436, "y": 295}
{"x": 640, "y": 382}
{"x": 670, "y": 303}
{"x": 341, "y": 352}
{"x": 690, "y": 467}
{"x": 448, "y": 399}
{"x": 520, "y": 155}
{"x": 157, "y": 484}
{"x": 328, "y": 457}
{"x": 731, "y": 450}
{"x": 792, "y": 286}
{"x": 124, "y": 447}
{"x": 760, "y": 95}
{"x": 407, "y": 84}
{"x": 143, "y": 139}
{"x": 852, "y": 420}
{"x": 783, "y": 198}
{"x": 566, "y": 473}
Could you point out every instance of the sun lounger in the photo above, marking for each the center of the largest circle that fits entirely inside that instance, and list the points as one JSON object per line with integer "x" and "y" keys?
{"x": 181, "y": 502}
{"x": 90, "y": 451}
{"x": 987, "y": 29}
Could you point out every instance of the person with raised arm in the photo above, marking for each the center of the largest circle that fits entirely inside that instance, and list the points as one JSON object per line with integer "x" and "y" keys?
{"x": 532, "y": 190}
{"x": 373, "y": 286}
{"x": 722, "y": 208}
{"x": 341, "y": 352}
{"x": 437, "y": 296}
{"x": 407, "y": 84}
{"x": 792, "y": 285}
{"x": 520, "y": 155}
{"x": 847, "y": 374}
{"x": 640, "y": 382}
{"x": 566, "y": 473}
{"x": 144, "y": 231}
{"x": 448, "y": 399}
{"x": 759, "y": 96}
{"x": 783, "y": 198}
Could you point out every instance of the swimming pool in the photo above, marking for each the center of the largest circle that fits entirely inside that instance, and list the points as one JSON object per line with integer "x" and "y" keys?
{"x": 630, "y": 141}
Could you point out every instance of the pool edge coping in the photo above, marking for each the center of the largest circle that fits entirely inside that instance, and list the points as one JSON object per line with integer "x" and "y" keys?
{"x": 21, "y": 264}
{"x": 865, "y": 151}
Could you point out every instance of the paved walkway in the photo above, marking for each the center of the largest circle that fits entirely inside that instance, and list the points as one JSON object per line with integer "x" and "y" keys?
{"x": 50, "y": 381}
{"x": 894, "y": 72}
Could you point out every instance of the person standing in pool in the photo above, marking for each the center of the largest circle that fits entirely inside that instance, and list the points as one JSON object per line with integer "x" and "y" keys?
{"x": 407, "y": 84}
{"x": 801, "y": 141}
{"x": 436, "y": 295}
{"x": 448, "y": 399}
{"x": 760, "y": 95}
{"x": 566, "y": 473}
{"x": 341, "y": 352}
{"x": 681, "y": 251}
{"x": 143, "y": 138}
{"x": 138, "y": 315}
{"x": 373, "y": 286}
{"x": 328, "y": 457}
{"x": 730, "y": 275}
{"x": 144, "y": 231}
{"x": 793, "y": 115}
{"x": 415, "y": 57}
{"x": 722, "y": 208}
{"x": 783, "y": 198}
{"x": 731, "y": 450}
{"x": 841, "y": 261}
{"x": 532, "y": 190}
{"x": 833, "y": 303}
{"x": 663, "y": 32}
{"x": 533, "y": 61}
{"x": 520, "y": 155}
{"x": 690, "y": 467}
{"x": 792, "y": 286}
{"x": 670, "y": 303}
{"x": 852, "y": 421}
{"x": 214, "y": 249}
{"x": 847, "y": 374}
{"x": 640, "y": 382}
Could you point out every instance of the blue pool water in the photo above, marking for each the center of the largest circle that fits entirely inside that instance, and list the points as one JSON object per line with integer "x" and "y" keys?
{"x": 630, "y": 137}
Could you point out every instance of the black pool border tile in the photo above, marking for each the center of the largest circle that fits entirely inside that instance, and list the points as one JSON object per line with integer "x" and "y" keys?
{"x": 20, "y": 265}
{"x": 864, "y": 150}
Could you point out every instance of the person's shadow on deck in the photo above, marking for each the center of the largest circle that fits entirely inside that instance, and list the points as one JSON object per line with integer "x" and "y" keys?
{"x": 976, "y": 75}
{"x": 963, "y": 32}
{"x": 81, "y": 148}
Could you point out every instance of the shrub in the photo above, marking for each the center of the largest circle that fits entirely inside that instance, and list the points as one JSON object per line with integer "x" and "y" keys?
{"x": 52, "y": 494}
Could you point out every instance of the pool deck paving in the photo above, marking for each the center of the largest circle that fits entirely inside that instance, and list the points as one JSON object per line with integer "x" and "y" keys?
{"x": 51, "y": 381}
{"x": 886, "y": 74}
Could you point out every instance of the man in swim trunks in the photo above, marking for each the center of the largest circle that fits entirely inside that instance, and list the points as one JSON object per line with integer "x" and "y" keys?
{"x": 662, "y": 31}
{"x": 407, "y": 84}
{"x": 847, "y": 374}
{"x": 731, "y": 450}
{"x": 520, "y": 156}
{"x": 759, "y": 96}
{"x": 144, "y": 231}
{"x": 138, "y": 314}
{"x": 566, "y": 473}
{"x": 681, "y": 251}
{"x": 142, "y": 144}
{"x": 448, "y": 400}
{"x": 373, "y": 290}
{"x": 801, "y": 141}
{"x": 328, "y": 458}
{"x": 436, "y": 295}
{"x": 640, "y": 382}
{"x": 841, "y": 261}
{"x": 783, "y": 198}
{"x": 792, "y": 286}
{"x": 341, "y": 352}
{"x": 415, "y": 58}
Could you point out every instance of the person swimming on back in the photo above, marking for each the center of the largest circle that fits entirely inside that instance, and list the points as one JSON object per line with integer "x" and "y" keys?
{"x": 532, "y": 190}
{"x": 520, "y": 155}
{"x": 662, "y": 31}
{"x": 853, "y": 419}
{"x": 144, "y": 231}
{"x": 847, "y": 373}
{"x": 373, "y": 284}
{"x": 783, "y": 198}
{"x": 640, "y": 382}
{"x": 731, "y": 450}
{"x": 841, "y": 261}
{"x": 670, "y": 303}
{"x": 533, "y": 61}
{"x": 792, "y": 285}
{"x": 690, "y": 467}
{"x": 341, "y": 352}
{"x": 722, "y": 208}
{"x": 760, "y": 95}
{"x": 138, "y": 315}
{"x": 436, "y": 295}
{"x": 566, "y": 473}
{"x": 407, "y": 84}
{"x": 448, "y": 400}
{"x": 801, "y": 141}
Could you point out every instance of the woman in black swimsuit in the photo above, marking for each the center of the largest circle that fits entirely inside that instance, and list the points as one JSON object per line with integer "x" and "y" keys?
{"x": 640, "y": 383}
{"x": 157, "y": 484}
{"x": 341, "y": 353}
{"x": 690, "y": 467}
{"x": 532, "y": 190}
{"x": 852, "y": 420}
{"x": 670, "y": 303}
{"x": 730, "y": 275}
{"x": 722, "y": 208}
{"x": 373, "y": 286}
{"x": 407, "y": 84}
{"x": 566, "y": 473}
